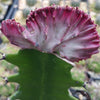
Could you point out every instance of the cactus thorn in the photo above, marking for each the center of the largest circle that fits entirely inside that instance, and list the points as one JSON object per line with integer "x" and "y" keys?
{"x": 2, "y": 56}
{"x": 6, "y": 80}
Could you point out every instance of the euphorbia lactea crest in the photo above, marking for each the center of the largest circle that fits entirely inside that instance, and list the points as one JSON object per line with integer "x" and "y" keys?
{"x": 65, "y": 31}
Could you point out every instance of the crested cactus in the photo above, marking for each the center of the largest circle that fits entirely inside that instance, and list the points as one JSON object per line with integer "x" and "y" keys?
{"x": 31, "y": 2}
{"x": 53, "y": 37}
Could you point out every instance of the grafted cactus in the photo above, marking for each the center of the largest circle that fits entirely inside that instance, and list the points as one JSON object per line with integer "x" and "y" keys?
{"x": 53, "y": 36}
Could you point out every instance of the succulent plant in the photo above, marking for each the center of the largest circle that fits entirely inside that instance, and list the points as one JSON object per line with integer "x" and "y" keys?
{"x": 98, "y": 19}
{"x": 97, "y": 4}
{"x": 53, "y": 37}
{"x": 75, "y": 3}
{"x": 56, "y": 2}
{"x": 31, "y": 2}
{"x": 26, "y": 11}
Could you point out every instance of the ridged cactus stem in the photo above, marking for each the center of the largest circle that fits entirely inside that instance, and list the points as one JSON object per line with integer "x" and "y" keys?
{"x": 41, "y": 76}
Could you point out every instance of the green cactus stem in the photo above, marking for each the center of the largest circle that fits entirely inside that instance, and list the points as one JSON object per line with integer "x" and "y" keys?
{"x": 41, "y": 76}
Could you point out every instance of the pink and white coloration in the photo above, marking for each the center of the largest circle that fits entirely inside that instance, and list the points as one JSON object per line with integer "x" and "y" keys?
{"x": 67, "y": 31}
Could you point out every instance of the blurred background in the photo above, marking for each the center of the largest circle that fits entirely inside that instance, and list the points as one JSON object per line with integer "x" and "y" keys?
{"x": 87, "y": 71}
